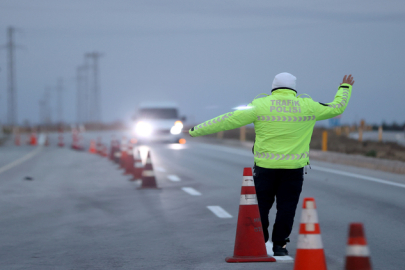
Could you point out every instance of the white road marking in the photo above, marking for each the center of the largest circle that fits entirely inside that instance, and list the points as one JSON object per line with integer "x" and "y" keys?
{"x": 176, "y": 146}
{"x": 191, "y": 191}
{"x": 219, "y": 211}
{"x": 359, "y": 176}
{"x": 160, "y": 169}
{"x": 269, "y": 247}
{"x": 20, "y": 160}
{"x": 173, "y": 178}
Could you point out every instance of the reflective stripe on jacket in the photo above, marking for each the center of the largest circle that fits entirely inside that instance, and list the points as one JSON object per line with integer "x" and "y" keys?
{"x": 283, "y": 125}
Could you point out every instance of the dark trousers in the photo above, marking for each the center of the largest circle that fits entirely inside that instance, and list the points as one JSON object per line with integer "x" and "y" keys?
{"x": 284, "y": 186}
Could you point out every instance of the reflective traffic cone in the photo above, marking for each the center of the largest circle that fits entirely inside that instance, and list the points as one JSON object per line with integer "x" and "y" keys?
{"x": 249, "y": 241}
{"x": 148, "y": 175}
{"x": 117, "y": 153}
{"x": 123, "y": 159}
{"x": 33, "y": 139}
{"x": 92, "y": 148}
{"x": 80, "y": 143}
{"x": 46, "y": 140}
{"x": 76, "y": 145}
{"x": 112, "y": 146}
{"x": 357, "y": 253}
{"x": 137, "y": 166}
{"x": 103, "y": 151}
{"x": 130, "y": 160}
{"x": 123, "y": 156}
{"x": 17, "y": 139}
{"x": 310, "y": 254}
{"x": 75, "y": 139}
{"x": 60, "y": 140}
{"x": 99, "y": 146}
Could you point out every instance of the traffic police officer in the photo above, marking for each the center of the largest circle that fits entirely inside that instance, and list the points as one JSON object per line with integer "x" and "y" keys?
{"x": 283, "y": 125}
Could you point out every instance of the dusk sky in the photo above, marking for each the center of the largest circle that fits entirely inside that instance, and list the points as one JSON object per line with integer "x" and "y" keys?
{"x": 208, "y": 56}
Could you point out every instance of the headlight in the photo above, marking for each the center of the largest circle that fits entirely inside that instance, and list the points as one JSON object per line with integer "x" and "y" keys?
{"x": 143, "y": 129}
{"x": 178, "y": 124}
{"x": 175, "y": 130}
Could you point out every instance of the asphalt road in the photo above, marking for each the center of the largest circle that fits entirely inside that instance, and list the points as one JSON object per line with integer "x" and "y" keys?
{"x": 79, "y": 211}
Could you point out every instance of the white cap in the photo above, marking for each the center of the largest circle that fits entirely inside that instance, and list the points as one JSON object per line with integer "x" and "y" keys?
{"x": 284, "y": 80}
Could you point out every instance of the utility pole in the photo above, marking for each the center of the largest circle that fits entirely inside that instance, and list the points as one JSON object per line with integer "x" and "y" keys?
{"x": 80, "y": 108}
{"x": 47, "y": 107}
{"x": 85, "y": 95}
{"x": 42, "y": 116}
{"x": 59, "y": 100}
{"x": 11, "y": 89}
{"x": 95, "y": 110}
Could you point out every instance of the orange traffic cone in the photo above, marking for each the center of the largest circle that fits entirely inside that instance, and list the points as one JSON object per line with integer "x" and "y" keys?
{"x": 117, "y": 153}
{"x": 112, "y": 147}
{"x": 130, "y": 160}
{"x": 249, "y": 241}
{"x": 33, "y": 139}
{"x": 99, "y": 146}
{"x": 60, "y": 139}
{"x": 103, "y": 150}
{"x": 75, "y": 139}
{"x": 80, "y": 141}
{"x": 123, "y": 148}
{"x": 357, "y": 253}
{"x": 92, "y": 148}
{"x": 148, "y": 175}
{"x": 17, "y": 139}
{"x": 137, "y": 167}
{"x": 310, "y": 255}
{"x": 46, "y": 140}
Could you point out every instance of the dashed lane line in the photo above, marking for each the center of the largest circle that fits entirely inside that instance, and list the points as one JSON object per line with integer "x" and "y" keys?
{"x": 219, "y": 211}
{"x": 191, "y": 191}
{"x": 160, "y": 169}
{"x": 173, "y": 178}
{"x": 286, "y": 259}
{"x": 359, "y": 176}
{"x": 20, "y": 160}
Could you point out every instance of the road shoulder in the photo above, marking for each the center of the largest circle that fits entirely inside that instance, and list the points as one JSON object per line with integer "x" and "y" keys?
{"x": 378, "y": 164}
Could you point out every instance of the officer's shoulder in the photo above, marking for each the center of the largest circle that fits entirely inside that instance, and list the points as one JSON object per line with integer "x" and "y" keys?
{"x": 305, "y": 98}
{"x": 260, "y": 98}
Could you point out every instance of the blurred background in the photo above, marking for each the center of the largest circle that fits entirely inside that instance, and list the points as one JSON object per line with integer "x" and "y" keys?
{"x": 120, "y": 74}
{"x": 92, "y": 62}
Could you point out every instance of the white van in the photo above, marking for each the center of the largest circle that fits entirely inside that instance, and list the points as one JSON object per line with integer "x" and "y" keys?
{"x": 158, "y": 121}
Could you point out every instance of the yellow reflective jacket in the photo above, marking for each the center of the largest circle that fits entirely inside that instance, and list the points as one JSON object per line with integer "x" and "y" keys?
{"x": 283, "y": 125}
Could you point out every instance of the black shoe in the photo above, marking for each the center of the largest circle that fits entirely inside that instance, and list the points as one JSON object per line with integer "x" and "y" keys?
{"x": 280, "y": 250}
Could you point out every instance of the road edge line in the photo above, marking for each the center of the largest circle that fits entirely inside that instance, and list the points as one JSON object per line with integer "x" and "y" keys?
{"x": 359, "y": 176}
{"x": 20, "y": 160}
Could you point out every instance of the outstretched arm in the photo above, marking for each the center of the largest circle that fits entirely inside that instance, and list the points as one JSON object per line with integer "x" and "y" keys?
{"x": 226, "y": 121}
{"x": 328, "y": 110}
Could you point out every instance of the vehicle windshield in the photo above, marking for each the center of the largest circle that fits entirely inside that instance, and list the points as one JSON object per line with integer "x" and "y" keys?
{"x": 158, "y": 113}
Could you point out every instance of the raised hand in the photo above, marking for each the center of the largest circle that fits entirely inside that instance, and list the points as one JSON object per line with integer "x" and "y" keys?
{"x": 348, "y": 79}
